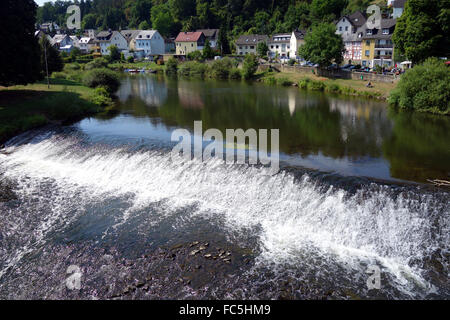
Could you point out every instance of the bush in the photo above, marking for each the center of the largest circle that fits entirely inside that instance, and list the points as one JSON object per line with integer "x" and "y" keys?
{"x": 235, "y": 74}
{"x": 102, "y": 78}
{"x": 72, "y": 66}
{"x": 220, "y": 69}
{"x": 195, "y": 56}
{"x": 172, "y": 66}
{"x": 333, "y": 87}
{"x": 270, "y": 80}
{"x": 130, "y": 59}
{"x": 193, "y": 68}
{"x": 303, "y": 84}
{"x": 250, "y": 66}
{"x": 291, "y": 62}
{"x": 284, "y": 82}
{"x": 101, "y": 97}
{"x": 59, "y": 75}
{"x": 96, "y": 64}
{"x": 426, "y": 87}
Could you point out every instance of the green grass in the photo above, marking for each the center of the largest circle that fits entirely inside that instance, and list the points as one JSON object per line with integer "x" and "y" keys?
{"x": 351, "y": 87}
{"x": 119, "y": 66}
{"x": 26, "y": 107}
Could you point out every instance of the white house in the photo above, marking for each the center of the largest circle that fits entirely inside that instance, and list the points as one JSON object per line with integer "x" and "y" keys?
{"x": 75, "y": 41}
{"x": 280, "y": 44}
{"x": 150, "y": 42}
{"x": 105, "y": 39}
{"x": 297, "y": 39}
{"x": 351, "y": 28}
{"x": 86, "y": 44}
{"x": 62, "y": 42}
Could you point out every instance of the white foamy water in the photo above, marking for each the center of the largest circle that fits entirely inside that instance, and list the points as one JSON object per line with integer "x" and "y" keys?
{"x": 293, "y": 217}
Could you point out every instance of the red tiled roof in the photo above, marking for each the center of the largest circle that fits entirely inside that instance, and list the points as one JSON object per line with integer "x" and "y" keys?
{"x": 188, "y": 36}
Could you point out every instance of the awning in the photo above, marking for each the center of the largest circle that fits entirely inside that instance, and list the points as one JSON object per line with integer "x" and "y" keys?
{"x": 406, "y": 62}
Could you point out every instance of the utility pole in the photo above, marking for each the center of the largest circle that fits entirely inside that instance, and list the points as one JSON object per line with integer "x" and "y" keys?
{"x": 46, "y": 63}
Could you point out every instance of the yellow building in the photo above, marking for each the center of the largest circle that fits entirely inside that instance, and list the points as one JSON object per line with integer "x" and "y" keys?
{"x": 187, "y": 42}
{"x": 377, "y": 45}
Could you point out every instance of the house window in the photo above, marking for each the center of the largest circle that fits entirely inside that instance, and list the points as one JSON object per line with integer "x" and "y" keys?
{"x": 368, "y": 43}
{"x": 369, "y": 32}
{"x": 340, "y": 28}
{"x": 367, "y": 53}
{"x": 252, "y": 47}
{"x": 346, "y": 28}
{"x": 240, "y": 47}
{"x": 271, "y": 47}
{"x": 385, "y": 31}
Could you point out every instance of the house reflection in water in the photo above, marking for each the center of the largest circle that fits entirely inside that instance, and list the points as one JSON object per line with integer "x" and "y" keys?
{"x": 152, "y": 92}
{"x": 189, "y": 95}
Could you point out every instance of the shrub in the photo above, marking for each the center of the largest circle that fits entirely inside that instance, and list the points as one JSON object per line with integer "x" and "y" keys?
{"x": 333, "y": 87}
{"x": 316, "y": 85}
{"x": 284, "y": 82}
{"x": 172, "y": 66}
{"x": 220, "y": 69}
{"x": 96, "y": 64}
{"x": 250, "y": 66}
{"x": 59, "y": 75}
{"x": 303, "y": 84}
{"x": 195, "y": 56}
{"x": 235, "y": 74}
{"x": 426, "y": 87}
{"x": 130, "y": 59}
{"x": 291, "y": 62}
{"x": 192, "y": 68}
{"x": 72, "y": 66}
{"x": 101, "y": 97}
{"x": 270, "y": 80}
{"x": 102, "y": 78}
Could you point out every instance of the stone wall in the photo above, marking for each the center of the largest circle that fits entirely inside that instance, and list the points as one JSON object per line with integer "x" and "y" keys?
{"x": 336, "y": 74}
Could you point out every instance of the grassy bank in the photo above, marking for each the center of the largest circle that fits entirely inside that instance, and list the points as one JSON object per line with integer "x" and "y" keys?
{"x": 120, "y": 66}
{"x": 350, "y": 87}
{"x": 26, "y": 107}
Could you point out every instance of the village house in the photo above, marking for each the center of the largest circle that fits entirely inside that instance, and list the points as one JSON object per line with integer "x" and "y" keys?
{"x": 187, "y": 42}
{"x": 130, "y": 36}
{"x": 247, "y": 44}
{"x": 150, "y": 42}
{"x": 280, "y": 45}
{"x": 62, "y": 42}
{"x": 86, "y": 44}
{"x": 378, "y": 48}
{"x": 75, "y": 41}
{"x": 352, "y": 28}
{"x": 105, "y": 39}
{"x": 297, "y": 39}
{"x": 49, "y": 27}
{"x": 169, "y": 45}
{"x": 212, "y": 35}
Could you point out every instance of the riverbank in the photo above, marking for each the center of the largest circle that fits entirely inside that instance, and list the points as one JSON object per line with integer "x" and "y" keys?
{"x": 27, "y": 107}
{"x": 358, "y": 88}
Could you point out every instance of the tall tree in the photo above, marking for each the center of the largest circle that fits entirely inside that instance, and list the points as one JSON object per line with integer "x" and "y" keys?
{"x": 48, "y": 52}
{"x": 327, "y": 10}
{"x": 19, "y": 60}
{"x": 323, "y": 45}
{"x": 422, "y": 30}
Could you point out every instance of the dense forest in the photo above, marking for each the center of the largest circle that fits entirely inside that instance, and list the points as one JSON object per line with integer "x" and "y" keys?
{"x": 235, "y": 17}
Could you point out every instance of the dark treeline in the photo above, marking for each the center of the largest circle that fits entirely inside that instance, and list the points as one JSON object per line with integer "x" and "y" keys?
{"x": 171, "y": 16}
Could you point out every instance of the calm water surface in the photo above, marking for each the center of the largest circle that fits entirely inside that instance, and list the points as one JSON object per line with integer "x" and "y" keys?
{"x": 105, "y": 195}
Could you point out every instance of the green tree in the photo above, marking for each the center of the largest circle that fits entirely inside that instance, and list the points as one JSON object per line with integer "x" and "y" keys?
{"x": 222, "y": 43}
{"x": 250, "y": 66}
{"x": 144, "y": 25}
{"x": 327, "y": 10}
{"x": 262, "y": 48}
{"x": 422, "y": 30}
{"x": 162, "y": 20}
{"x": 20, "y": 54}
{"x": 323, "y": 45}
{"x": 208, "y": 53}
{"x": 114, "y": 53}
{"x": 89, "y": 21}
{"x": 426, "y": 87}
{"x": 140, "y": 13}
{"x": 172, "y": 66}
{"x": 54, "y": 60}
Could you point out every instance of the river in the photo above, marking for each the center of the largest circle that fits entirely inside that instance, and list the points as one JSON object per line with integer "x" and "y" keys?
{"x": 350, "y": 202}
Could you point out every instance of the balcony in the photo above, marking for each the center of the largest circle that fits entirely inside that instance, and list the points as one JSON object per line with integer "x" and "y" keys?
{"x": 384, "y": 57}
{"x": 384, "y": 46}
